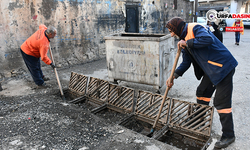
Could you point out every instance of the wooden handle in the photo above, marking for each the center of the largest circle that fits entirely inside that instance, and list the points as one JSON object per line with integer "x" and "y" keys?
{"x": 57, "y": 77}
{"x": 167, "y": 89}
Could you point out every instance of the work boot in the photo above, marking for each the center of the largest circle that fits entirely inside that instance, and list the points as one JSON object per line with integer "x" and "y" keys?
{"x": 224, "y": 142}
{"x": 42, "y": 85}
{"x": 45, "y": 78}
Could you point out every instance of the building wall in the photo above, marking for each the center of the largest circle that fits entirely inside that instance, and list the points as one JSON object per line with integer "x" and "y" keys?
{"x": 231, "y": 6}
{"x": 81, "y": 26}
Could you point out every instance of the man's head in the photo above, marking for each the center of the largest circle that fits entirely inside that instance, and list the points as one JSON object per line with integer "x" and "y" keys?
{"x": 51, "y": 32}
{"x": 176, "y": 26}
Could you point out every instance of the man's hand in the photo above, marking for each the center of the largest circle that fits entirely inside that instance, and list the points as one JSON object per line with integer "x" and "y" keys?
{"x": 182, "y": 44}
{"x": 52, "y": 65}
{"x": 170, "y": 83}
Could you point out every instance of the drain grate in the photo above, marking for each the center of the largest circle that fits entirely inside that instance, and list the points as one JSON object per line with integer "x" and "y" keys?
{"x": 189, "y": 122}
{"x": 78, "y": 83}
{"x": 98, "y": 90}
{"x": 191, "y": 118}
{"x": 148, "y": 105}
{"x": 120, "y": 98}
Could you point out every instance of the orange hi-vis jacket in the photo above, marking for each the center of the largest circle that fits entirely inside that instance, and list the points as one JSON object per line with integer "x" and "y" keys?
{"x": 37, "y": 45}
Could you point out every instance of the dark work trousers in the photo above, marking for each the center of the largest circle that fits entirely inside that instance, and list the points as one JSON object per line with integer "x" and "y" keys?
{"x": 34, "y": 66}
{"x": 237, "y": 37}
{"x": 222, "y": 100}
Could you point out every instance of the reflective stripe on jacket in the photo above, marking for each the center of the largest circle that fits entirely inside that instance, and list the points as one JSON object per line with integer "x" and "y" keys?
{"x": 206, "y": 53}
{"x": 37, "y": 45}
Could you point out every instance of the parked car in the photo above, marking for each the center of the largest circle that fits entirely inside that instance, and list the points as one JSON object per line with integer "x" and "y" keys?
{"x": 246, "y": 22}
{"x": 202, "y": 20}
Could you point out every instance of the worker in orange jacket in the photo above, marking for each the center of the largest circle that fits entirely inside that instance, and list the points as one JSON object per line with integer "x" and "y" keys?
{"x": 36, "y": 47}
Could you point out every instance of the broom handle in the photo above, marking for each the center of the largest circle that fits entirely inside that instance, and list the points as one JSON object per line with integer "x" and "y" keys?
{"x": 168, "y": 88}
{"x": 57, "y": 77}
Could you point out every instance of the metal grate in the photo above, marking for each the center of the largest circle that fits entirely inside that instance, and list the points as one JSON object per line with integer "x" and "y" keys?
{"x": 121, "y": 97}
{"x": 98, "y": 90}
{"x": 78, "y": 83}
{"x": 191, "y": 117}
{"x": 148, "y": 106}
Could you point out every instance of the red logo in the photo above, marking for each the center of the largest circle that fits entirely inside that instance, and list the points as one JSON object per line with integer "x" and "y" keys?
{"x": 234, "y": 29}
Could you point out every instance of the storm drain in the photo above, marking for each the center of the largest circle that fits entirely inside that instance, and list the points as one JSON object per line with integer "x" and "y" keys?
{"x": 97, "y": 91}
{"x": 111, "y": 116}
{"x": 135, "y": 124}
{"x": 181, "y": 141}
{"x": 182, "y": 124}
{"x": 148, "y": 105}
{"x": 119, "y": 103}
{"x": 120, "y": 99}
{"x": 189, "y": 125}
{"x": 78, "y": 83}
{"x": 77, "y": 88}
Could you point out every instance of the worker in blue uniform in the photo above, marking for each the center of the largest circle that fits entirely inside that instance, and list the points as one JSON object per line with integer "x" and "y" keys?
{"x": 213, "y": 64}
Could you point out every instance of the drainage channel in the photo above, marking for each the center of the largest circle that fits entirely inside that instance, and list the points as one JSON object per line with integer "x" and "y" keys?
{"x": 181, "y": 141}
{"x": 181, "y": 124}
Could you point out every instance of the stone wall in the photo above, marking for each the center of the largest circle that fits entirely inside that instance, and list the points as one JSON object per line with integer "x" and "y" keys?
{"x": 81, "y": 26}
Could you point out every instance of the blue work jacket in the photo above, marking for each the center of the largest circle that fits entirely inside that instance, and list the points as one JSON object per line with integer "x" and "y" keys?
{"x": 207, "y": 54}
